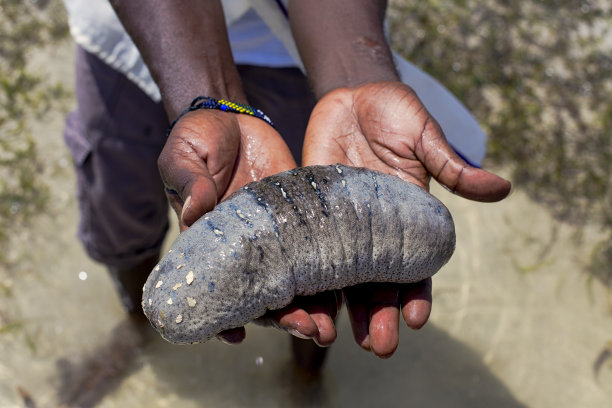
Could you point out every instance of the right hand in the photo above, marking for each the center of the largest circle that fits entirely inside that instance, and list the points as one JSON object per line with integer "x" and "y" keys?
{"x": 209, "y": 155}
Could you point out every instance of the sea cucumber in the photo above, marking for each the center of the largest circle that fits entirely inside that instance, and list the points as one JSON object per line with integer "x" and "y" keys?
{"x": 300, "y": 232}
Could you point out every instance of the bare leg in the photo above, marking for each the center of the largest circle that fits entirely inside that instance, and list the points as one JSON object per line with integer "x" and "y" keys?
{"x": 129, "y": 283}
{"x": 307, "y": 355}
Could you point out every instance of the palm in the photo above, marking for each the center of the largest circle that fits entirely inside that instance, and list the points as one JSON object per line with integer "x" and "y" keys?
{"x": 374, "y": 127}
{"x": 384, "y": 126}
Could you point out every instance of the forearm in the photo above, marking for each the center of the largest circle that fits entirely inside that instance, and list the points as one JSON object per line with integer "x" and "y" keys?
{"x": 185, "y": 46}
{"x": 342, "y": 42}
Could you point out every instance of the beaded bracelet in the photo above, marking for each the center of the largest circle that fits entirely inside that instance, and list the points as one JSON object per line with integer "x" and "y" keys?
{"x": 206, "y": 102}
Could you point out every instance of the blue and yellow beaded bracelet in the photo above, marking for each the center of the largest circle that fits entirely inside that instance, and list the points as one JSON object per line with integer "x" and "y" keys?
{"x": 207, "y": 102}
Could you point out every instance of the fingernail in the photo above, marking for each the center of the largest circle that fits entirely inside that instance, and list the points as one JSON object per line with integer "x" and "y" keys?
{"x": 186, "y": 205}
{"x": 318, "y": 343}
{"x": 512, "y": 189}
{"x": 365, "y": 343}
{"x": 296, "y": 333}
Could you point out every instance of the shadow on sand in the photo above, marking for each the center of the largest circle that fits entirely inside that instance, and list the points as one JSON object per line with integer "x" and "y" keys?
{"x": 429, "y": 368}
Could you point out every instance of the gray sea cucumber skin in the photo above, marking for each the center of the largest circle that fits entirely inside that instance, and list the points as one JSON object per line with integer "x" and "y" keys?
{"x": 300, "y": 232}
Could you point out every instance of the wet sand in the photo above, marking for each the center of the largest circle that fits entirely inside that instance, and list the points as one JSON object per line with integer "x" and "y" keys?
{"x": 515, "y": 323}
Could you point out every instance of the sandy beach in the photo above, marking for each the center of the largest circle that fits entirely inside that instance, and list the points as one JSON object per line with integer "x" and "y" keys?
{"x": 516, "y": 322}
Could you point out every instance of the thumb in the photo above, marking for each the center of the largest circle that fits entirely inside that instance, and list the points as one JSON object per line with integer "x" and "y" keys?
{"x": 197, "y": 161}
{"x": 201, "y": 198}
{"x": 190, "y": 188}
{"x": 450, "y": 170}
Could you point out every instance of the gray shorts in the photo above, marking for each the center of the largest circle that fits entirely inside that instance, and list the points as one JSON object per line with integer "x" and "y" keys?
{"x": 116, "y": 134}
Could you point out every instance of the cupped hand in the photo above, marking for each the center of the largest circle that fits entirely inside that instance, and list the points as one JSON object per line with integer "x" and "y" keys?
{"x": 209, "y": 155}
{"x": 384, "y": 126}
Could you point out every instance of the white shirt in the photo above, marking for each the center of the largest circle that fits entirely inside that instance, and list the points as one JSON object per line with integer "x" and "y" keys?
{"x": 260, "y": 35}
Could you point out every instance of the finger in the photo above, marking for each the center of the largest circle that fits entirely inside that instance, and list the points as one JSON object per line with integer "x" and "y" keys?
{"x": 190, "y": 189}
{"x": 310, "y": 317}
{"x": 359, "y": 315}
{"x": 448, "y": 168}
{"x": 323, "y": 309}
{"x": 326, "y": 329}
{"x": 201, "y": 198}
{"x": 232, "y": 336}
{"x": 416, "y": 303}
{"x": 197, "y": 161}
{"x": 176, "y": 202}
{"x": 296, "y": 321}
{"x": 190, "y": 186}
{"x": 384, "y": 320}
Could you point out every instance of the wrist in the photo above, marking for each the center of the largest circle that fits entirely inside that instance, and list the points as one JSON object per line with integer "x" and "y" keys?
{"x": 179, "y": 91}
{"x": 365, "y": 60}
{"x": 207, "y": 102}
{"x": 186, "y": 48}
{"x": 342, "y": 43}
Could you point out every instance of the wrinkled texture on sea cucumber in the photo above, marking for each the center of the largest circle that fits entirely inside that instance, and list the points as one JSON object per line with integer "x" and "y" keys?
{"x": 300, "y": 232}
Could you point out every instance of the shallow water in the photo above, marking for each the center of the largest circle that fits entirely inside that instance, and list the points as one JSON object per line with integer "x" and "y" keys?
{"x": 515, "y": 323}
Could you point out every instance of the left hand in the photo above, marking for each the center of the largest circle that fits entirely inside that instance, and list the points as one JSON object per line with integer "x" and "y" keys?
{"x": 384, "y": 126}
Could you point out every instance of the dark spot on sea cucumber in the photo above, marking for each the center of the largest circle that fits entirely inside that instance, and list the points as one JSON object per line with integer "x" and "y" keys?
{"x": 211, "y": 287}
{"x": 258, "y": 199}
{"x": 322, "y": 199}
{"x": 286, "y": 196}
{"x": 261, "y": 252}
{"x": 240, "y": 215}
{"x": 217, "y": 231}
{"x": 376, "y": 186}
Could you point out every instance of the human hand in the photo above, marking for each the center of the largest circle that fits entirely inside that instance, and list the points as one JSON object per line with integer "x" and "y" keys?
{"x": 384, "y": 126}
{"x": 308, "y": 317}
{"x": 210, "y": 154}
